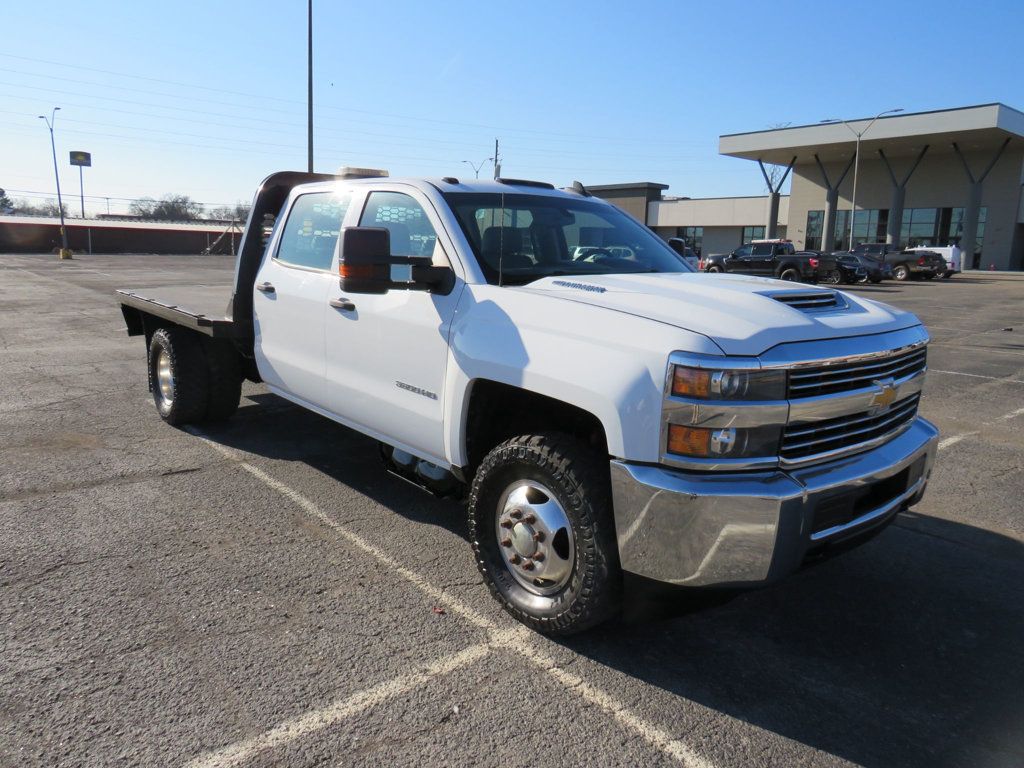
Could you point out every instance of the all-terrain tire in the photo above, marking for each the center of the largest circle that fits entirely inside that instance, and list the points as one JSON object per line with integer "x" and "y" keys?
{"x": 187, "y": 396}
{"x": 577, "y": 476}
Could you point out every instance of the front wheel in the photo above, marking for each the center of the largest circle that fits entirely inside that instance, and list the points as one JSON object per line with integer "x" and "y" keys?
{"x": 901, "y": 272}
{"x": 832, "y": 277}
{"x": 714, "y": 270}
{"x": 541, "y": 525}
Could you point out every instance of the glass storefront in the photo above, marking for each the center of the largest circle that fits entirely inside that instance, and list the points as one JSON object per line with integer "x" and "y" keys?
{"x": 752, "y": 233}
{"x": 815, "y": 222}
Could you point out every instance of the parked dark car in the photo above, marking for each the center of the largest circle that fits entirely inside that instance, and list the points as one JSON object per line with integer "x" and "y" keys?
{"x": 905, "y": 264}
{"x": 846, "y": 272}
{"x": 873, "y": 270}
{"x": 773, "y": 258}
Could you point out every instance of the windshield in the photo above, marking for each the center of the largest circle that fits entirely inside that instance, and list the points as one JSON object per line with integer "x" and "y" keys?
{"x": 527, "y": 237}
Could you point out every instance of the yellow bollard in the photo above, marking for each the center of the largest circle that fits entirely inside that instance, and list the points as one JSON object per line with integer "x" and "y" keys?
{"x": 65, "y": 253}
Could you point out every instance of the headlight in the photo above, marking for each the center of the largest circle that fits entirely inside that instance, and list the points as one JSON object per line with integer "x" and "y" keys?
{"x": 723, "y": 443}
{"x": 710, "y": 384}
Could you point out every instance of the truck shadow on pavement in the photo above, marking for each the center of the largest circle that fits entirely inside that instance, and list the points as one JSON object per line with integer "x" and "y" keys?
{"x": 906, "y": 651}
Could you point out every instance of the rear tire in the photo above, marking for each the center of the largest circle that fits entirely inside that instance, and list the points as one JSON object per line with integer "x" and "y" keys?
{"x": 714, "y": 270}
{"x": 901, "y": 272}
{"x": 524, "y": 476}
{"x": 225, "y": 380}
{"x": 178, "y": 376}
{"x": 833, "y": 277}
{"x": 790, "y": 275}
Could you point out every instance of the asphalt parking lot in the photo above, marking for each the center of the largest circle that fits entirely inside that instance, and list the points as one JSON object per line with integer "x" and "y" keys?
{"x": 263, "y": 593}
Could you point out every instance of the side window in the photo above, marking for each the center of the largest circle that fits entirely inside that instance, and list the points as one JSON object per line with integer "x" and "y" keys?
{"x": 405, "y": 219}
{"x": 311, "y": 231}
{"x": 744, "y": 251}
{"x": 762, "y": 249}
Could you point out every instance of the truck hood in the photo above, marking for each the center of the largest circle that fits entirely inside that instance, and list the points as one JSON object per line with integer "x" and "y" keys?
{"x": 743, "y": 315}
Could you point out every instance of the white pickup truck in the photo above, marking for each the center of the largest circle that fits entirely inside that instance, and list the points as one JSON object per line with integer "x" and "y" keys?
{"x": 603, "y": 407}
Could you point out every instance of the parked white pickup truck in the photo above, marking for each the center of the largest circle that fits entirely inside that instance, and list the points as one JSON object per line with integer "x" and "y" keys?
{"x": 602, "y": 407}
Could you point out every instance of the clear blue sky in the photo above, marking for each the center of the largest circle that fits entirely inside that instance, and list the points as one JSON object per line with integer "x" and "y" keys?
{"x": 206, "y": 98}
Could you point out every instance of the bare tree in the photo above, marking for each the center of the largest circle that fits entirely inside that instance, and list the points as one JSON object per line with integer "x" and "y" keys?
{"x": 775, "y": 171}
{"x": 167, "y": 208}
{"x": 237, "y": 212}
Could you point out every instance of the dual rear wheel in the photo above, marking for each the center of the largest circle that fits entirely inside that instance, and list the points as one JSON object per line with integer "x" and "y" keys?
{"x": 193, "y": 379}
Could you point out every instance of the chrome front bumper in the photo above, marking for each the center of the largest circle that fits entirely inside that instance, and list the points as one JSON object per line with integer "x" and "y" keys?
{"x": 745, "y": 529}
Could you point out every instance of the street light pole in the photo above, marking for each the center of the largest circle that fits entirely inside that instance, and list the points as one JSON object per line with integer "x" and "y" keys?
{"x": 65, "y": 252}
{"x": 856, "y": 160}
{"x": 476, "y": 168}
{"x": 309, "y": 84}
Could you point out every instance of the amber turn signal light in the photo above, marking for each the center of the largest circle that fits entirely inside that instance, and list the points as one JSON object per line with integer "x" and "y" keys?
{"x": 691, "y": 382}
{"x": 689, "y": 441}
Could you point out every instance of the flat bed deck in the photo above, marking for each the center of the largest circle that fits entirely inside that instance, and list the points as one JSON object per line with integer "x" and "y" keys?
{"x": 201, "y": 307}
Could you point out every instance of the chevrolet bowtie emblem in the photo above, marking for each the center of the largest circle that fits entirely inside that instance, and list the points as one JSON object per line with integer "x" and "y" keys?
{"x": 884, "y": 397}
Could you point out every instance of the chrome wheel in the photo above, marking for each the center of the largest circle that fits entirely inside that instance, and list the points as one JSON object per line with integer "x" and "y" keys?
{"x": 165, "y": 377}
{"x": 535, "y": 537}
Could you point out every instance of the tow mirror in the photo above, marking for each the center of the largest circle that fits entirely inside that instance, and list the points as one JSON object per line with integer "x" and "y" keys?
{"x": 364, "y": 260}
{"x": 365, "y": 265}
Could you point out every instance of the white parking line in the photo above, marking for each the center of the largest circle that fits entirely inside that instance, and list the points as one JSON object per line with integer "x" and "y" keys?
{"x": 318, "y": 719}
{"x": 1015, "y": 414}
{"x": 953, "y": 440}
{"x": 654, "y": 735}
{"x": 977, "y": 376}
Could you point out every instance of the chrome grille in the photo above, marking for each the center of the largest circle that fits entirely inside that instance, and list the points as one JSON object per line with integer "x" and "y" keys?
{"x": 809, "y": 300}
{"x": 800, "y": 441}
{"x": 847, "y": 376}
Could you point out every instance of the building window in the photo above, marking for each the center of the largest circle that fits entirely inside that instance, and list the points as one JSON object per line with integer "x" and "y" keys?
{"x": 920, "y": 227}
{"x": 841, "y": 240}
{"x": 869, "y": 225}
{"x": 752, "y": 233}
{"x": 815, "y": 222}
{"x": 953, "y": 226}
{"x": 694, "y": 237}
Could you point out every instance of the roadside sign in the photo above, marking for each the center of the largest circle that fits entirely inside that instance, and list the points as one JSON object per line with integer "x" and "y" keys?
{"x": 81, "y": 158}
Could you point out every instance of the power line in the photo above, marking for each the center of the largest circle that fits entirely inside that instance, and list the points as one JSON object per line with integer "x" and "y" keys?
{"x": 264, "y": 97}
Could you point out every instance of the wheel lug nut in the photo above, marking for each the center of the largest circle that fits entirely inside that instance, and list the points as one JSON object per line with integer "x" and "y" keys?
{"x": 539, "y": 557}
{"x": 527, "y": 566}
{"x": 538, "y": 535}
{"x": 516, "y": 515}
{"x": 514, "y": 559}
{"x": 506, "y": 523}
{"x": 506, "y": 542}
{"x": 530, "y": 519}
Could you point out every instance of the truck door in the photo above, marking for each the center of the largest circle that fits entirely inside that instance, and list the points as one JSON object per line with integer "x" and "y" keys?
{"x": 761, "y": 260}
{"x": 290, "y": 294}
{"x": 386, "y": 355}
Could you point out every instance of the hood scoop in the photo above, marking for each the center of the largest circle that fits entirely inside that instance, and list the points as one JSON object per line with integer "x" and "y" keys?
{"x": 811, "y": 301}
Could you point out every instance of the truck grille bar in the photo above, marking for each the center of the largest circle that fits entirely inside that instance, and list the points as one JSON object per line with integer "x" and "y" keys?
{"x": 801, "y": 441}
{"x": 844, "y": 377}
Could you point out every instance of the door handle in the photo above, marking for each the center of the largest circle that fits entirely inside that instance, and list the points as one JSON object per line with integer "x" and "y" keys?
{"x": 265, "y": 287}
{"x": 343, "y": 304}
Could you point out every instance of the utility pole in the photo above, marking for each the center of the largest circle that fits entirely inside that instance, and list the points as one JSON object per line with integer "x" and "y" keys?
{"x": 309, "y": 84}
{"x": 65, "y": 252}
{"x": 497, "y": 160}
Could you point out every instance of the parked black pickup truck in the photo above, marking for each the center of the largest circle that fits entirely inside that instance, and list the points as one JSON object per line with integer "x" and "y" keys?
{"x": 774, "y": 258}
{"x": 905, "y": 264}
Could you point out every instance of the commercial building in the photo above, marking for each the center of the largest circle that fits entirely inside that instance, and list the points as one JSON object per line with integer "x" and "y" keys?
{"x": 926, "y": 178}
